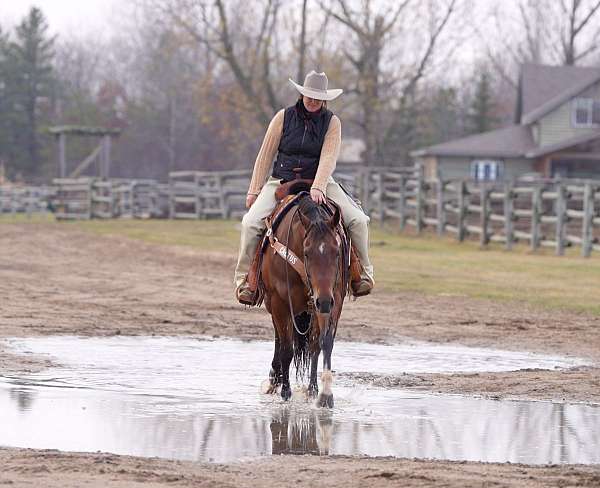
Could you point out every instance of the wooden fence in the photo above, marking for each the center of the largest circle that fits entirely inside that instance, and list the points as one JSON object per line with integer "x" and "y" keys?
{"x": 541, "y": 213}
{"x": 203, "y": 194}
{"x": 24, "y": 199}
{"x": 188, "y": 195}
{"x": 87, "y": 198}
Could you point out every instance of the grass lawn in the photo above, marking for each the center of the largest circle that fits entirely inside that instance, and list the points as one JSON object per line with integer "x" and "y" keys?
{"x": 427, "y": 264}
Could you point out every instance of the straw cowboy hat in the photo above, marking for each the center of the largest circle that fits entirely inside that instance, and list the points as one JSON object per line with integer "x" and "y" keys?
{"x": 315, "y": 86}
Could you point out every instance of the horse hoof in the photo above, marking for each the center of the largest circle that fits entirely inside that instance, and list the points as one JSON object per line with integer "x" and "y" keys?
{"x": 286, "y": 393}
{"x": 268, "y": 388}
{"x": 325, "y": 401}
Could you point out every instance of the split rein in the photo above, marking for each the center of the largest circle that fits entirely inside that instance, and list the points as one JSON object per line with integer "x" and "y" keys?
{"x": 299, "y": 266}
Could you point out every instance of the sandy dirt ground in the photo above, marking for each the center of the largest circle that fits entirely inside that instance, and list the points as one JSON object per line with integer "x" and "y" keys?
{"x": 53, "y": 469}
{"x": 57, "y": 280}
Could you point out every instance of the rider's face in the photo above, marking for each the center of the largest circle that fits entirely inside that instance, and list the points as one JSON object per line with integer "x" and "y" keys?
{"x": 312, "y": 104}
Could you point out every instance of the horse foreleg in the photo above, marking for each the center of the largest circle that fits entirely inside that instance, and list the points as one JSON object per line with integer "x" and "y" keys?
{"x": 275, "y": 374}
{"x": 326, "y": 397}
{"x": 313, "y": 387}
{"x": 286, "y": 354}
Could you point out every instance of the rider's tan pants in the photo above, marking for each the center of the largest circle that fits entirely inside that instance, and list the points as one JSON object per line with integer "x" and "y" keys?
{"x": 253, "y": 225}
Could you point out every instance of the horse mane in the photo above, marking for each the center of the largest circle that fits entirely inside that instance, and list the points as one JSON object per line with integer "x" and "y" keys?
{"x": 316, "y": 214}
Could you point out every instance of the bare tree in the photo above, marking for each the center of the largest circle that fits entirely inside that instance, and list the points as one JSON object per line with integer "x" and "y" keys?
{"x": 302, "y": 43}
{"x": 559, "y": 32}
{"x": 576, "y": 17}
{"x": 228, "y": 32}
{"x": 372, "y": 31}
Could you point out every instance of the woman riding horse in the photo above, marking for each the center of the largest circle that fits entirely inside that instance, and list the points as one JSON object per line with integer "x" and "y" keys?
{"x": 306, "y": 138}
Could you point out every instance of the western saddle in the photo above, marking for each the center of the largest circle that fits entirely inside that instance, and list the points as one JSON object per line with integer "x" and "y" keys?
{"x": 287, "y": 196}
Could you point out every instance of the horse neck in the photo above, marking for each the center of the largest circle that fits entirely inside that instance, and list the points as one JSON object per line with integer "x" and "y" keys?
{"x": 297, "y": 234}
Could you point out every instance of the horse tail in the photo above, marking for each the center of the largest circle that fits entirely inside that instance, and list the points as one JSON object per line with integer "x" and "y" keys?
{"x": 301, "y": 345}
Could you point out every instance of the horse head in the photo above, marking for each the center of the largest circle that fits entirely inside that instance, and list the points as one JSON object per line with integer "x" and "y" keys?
{"x": 322, "y": 253}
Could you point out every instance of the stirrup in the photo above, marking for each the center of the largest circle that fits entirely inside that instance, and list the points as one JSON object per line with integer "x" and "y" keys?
{"x": 246, "y": 296}
{"x": 361, "y": 288}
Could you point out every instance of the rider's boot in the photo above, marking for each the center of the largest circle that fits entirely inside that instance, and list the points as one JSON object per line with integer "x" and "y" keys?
{"x": 361, "y": 282}
{"x": 247, "y": 291}
{"x": 245, "y": 295}
{"x": 361, "y": 270}
{"x": 246, "y": 271}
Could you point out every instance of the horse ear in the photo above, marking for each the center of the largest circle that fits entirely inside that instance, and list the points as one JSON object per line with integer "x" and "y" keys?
{"x": 335, "y": 220}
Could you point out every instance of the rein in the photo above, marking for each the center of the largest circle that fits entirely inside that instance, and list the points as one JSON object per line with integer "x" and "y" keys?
{"x": 287, "y": 278}
{"x": 299, "y": 266}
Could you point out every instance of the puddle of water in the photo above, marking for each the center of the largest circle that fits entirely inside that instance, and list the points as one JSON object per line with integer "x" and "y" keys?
{"x": 199, "y": 400}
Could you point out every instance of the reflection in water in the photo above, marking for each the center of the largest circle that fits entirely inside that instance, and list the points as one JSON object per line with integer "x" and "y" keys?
{"x": 307, "y": 432}
{"x": 378, "y": 423}
{"x": 176, "y": 399}
{"x": 24, "y": 397}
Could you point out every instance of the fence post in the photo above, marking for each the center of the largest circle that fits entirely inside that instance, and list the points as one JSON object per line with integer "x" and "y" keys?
{"x": 366, "y": 186}
{"x": 441, "y": 214}
{"x": 62, "y": 162}
{"x": 420, "y": 190}
{"x": 485, "y": 215}
{"x": 462, "y": 193}
{"x": 380, "y": 202}
{"x": 509, "y": 227}
{"x": 560, "y": 218}
{"x": 199, "y": 201}
{"x": 586, "y": 224}
{"x": 402, "y": 201}
{"x": 536, "y": 210}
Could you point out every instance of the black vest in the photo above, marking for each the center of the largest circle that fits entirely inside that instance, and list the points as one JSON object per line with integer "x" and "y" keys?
{"x": 300, "y": 145}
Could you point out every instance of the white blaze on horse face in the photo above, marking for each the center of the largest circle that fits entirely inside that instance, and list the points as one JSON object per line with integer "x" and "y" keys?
{"x": 322, "y": 247}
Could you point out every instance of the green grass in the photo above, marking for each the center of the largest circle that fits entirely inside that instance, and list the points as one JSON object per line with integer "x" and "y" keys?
{"x": 427, "y": 264}
{"x": 435, "y": 265}
{"x": 210, "y": 235}
{"x": 19, "y": 218}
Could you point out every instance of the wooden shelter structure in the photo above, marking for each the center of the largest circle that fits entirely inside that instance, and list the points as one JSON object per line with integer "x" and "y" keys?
{"x": 100, "y": 154}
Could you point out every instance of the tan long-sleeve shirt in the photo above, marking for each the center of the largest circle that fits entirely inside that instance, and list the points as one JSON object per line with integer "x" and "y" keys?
{"x": 268, "y": 150}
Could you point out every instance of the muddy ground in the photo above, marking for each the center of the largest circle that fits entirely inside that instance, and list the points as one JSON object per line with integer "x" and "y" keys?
{"x": 57, "y": 280}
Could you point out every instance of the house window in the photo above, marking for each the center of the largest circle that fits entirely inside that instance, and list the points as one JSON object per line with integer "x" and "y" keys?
{"x": 586, "y": 112}
{"x": 486, "y": 170}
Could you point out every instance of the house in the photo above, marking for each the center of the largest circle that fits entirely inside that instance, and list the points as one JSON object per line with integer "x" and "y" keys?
{"x": 556, "y": 133}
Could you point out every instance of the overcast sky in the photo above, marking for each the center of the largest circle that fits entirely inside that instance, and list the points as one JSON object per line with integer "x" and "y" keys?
{"x": 63, "y": 15}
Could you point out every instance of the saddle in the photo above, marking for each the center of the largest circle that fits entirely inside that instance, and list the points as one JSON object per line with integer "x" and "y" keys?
{"x": 287, "y": 195}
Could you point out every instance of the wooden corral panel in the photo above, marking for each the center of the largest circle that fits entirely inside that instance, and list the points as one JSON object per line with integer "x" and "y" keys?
{"x": 24, "y": 199}
{"x": 542, "y": 213}
{"x": 73, "y": 198}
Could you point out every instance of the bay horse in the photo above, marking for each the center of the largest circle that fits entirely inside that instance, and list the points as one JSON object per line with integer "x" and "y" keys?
{"x": 305, "y": 314}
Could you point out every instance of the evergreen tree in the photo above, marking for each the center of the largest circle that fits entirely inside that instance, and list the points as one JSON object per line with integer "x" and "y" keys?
{"x": 481, "y": 118}
{"x": 30, "y": 80}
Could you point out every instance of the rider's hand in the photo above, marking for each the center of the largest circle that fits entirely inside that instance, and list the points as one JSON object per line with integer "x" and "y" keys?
{"x": 250, "y": 199}
{"x": 317, "y": 195}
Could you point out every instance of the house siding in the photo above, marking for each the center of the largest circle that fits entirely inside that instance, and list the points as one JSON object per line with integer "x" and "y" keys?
{"x": 450, "y": 168}
{"x": 557, "y": 126}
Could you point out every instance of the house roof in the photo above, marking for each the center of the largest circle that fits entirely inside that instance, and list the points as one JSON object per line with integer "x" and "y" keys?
{"x": 559, "y": 146}
{"x": 543, "y": 88}
{"x": 512, "y": 141}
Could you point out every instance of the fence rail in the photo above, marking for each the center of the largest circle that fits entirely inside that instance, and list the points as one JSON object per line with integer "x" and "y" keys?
{"x": 545, "y": 213}
{"x": 542, "y": 213}
{"x": 24, "y": 199}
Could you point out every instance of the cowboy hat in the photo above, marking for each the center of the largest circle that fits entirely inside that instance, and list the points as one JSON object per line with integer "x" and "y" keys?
{"x": 315, "y": 86}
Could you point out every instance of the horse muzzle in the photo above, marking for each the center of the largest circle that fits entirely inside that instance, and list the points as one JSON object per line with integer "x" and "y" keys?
{"x": 324, "y": 305}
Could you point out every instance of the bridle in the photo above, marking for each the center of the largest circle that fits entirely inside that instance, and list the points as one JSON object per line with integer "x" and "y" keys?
{"x": 307, "y": 282}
